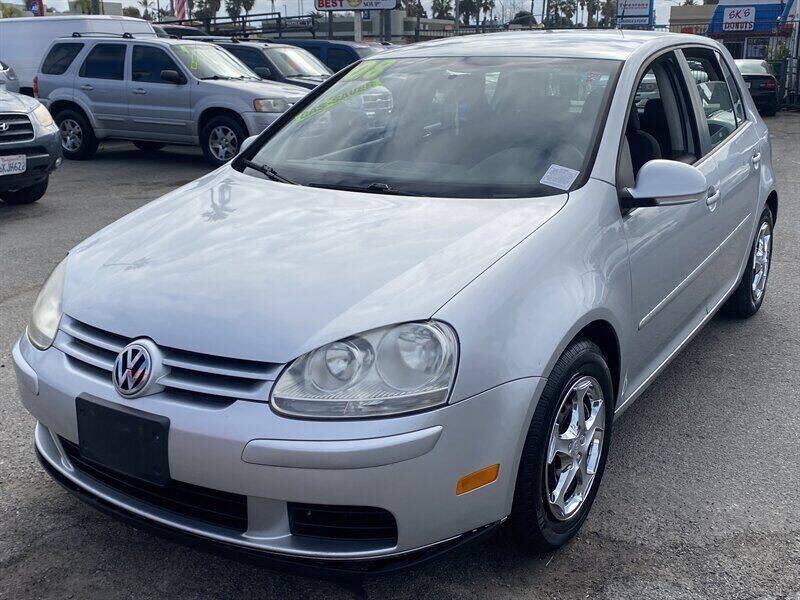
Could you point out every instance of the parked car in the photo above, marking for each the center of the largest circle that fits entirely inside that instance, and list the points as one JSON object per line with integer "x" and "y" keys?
{"x": 336, "y": 54}
{"x": 278, "y": 62}
{"x": 178, "y": 31}
{"x": 762, "y": 83}
{"x": 25, "y": 40}
{"x": 30, "y": 148}
{"x": 393, "y": 339}
{"x": 8, "y": 78}
{"x": 156, "y": 91}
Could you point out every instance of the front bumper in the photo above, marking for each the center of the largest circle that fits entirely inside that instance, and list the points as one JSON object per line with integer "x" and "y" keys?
{"x": 258, "y": 121}
{"x": 407, "y": 465}
{"x": 42, "y": 157}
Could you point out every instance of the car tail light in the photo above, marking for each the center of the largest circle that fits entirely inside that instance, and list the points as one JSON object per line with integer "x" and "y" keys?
{"x": 35, "y": 86}
{"x": 770, "y": 84}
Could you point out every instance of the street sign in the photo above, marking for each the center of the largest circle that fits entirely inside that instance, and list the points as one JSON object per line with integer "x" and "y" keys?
{"x": 635, "y": 12}
{"x": 35, "y": 8}
{"x": 739, "y": 18}
{"x": 330, "y": 5}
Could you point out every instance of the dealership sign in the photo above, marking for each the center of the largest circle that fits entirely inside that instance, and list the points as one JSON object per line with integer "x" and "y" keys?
{"x": 739, "y": 18}
{"x": 634, "y": 12}
{"x": 355, "y": 4}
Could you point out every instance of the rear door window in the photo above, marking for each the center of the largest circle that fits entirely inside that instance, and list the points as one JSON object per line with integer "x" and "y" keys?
{"x": 105, "y": 61}
{"x": 60, "y": 58}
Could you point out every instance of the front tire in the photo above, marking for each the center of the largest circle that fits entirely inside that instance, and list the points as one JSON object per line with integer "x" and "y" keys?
{"x": 78, "y": 141}
{"x": 565, "y": 450}
{"x": 749, "y": 295}
{"x": 221, "y": 139}
{"x": 27, "y": 195}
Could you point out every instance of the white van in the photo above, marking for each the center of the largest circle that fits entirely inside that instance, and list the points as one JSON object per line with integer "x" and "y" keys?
{"x": 24, "y": 41}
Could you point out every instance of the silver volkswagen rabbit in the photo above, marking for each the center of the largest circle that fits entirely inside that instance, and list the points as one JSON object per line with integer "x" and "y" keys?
{"x": 411, "y": 309}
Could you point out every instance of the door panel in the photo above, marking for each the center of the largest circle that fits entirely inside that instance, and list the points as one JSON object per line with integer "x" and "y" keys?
{"x": 158, "y": 109}
{"x": 101, "y": 84}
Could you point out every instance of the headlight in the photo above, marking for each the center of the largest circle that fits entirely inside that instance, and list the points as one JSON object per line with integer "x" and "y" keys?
{"x": 271, "y": 105}
{"x": 386, "y": 371}
{"x": 43, "y": 116}
{"x": 47, "y": 309}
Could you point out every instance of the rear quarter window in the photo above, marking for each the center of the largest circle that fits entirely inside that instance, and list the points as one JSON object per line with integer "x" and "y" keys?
{"x": 60, "y": 58}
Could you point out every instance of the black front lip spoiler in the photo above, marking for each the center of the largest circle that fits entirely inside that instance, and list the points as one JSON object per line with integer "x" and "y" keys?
{"x": 335, "y": 569}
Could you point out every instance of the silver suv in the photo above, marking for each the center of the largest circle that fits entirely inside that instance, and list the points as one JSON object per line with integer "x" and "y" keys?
{"x": 155, "y": 91}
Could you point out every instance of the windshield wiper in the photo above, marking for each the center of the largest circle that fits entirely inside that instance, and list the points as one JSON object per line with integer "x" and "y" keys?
{"x": 372, "y": 188}
{"x": 216, "y": 77}
{"x": 268, "y": 171}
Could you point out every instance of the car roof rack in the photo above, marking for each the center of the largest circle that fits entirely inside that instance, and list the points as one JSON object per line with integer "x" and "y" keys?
{"x": 77, "y": 34}
{"x": 211, "y": 38}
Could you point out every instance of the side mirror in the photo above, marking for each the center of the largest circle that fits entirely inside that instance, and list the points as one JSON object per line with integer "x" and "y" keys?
{"x": 263, "y": 72}
{"x": 664, "y": 183}
{"x": 171, "y": 76}
{"x": 247, "y": 142}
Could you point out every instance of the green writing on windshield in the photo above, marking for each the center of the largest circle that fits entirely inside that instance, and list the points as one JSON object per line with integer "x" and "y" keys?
{"x": 368, "y": 70}
{"x": 338, "y": 98}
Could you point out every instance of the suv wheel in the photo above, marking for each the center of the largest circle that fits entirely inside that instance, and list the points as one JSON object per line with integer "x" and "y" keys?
{"x": 77, "y": 137}
{"x": 565, "y": 451}
{"x": 149, "y": 146}
{"x": 26, "y": 195}
{"x": 748, "y": 296}
{"x": 221, "y": 138}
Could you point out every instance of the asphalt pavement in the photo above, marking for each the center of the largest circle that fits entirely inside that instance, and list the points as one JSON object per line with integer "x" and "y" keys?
{"x": 699, "y": 499}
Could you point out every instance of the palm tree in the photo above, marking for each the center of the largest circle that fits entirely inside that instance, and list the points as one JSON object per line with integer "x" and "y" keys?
{"x": 147, "y": 6}
{"x": 487, "y": 6}
{"x": 247, "y": 5}
{"x": 608, "y": 10}
{"x": 442, "y": 9}
{"x": 233, "y": 8}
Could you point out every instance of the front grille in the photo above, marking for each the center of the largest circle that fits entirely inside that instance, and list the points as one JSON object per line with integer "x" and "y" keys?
{"x": 15, "y": 127}
{"x": 342, "y": 522}
{"x": 30, "y": 151}
{"x": 191, "y": 376}
{"x": 214, "y": 507}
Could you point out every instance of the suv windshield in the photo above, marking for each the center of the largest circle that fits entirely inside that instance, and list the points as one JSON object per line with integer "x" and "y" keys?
{"x": 449, "y": 127}
{"x": 207, "y": 61}
{"x": 294, "y": 62}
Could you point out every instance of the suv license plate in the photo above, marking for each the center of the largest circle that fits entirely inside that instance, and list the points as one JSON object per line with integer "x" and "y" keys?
{"x": 13, "y": 165}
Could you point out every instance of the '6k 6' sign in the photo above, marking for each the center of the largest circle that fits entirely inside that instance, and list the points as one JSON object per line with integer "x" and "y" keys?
{"x": 739, "y": 18}
{"x": 354, "y": 4}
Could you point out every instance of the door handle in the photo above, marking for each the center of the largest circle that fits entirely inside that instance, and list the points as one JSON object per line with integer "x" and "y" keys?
{"x": 140, "y": 91}
{"x": 713, "y": 197}
{"x": 86, "y": 87}
{"x": 756, "y": 160}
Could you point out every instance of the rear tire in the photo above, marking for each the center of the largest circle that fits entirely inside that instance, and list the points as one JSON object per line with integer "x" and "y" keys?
{"x": 26, "y": 195}
{"x": 78, "y": 141}
{"x": 221, "y": 139}
{"x": 149, "y": 146}
{"x": 538, "y": 520}
{"x": 749, "y": 295}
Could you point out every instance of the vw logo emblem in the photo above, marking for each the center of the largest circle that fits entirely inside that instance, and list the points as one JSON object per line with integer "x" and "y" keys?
{"x": 4, "y": 126}
{"x": 132, "y": 370}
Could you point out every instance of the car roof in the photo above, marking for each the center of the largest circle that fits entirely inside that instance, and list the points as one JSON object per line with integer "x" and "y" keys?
{"x": 253, "y": 43}
{"x": 615, "y": 44}
{"x": 50, "y": 19}
{"x": 138, "y": 37}
{"x": 318, "y": 42}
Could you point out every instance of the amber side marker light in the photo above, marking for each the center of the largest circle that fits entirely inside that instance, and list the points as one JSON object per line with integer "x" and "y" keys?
{"x": 477, "y": 479}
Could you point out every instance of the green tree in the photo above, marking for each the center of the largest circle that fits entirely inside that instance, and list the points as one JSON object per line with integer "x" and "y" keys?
{"x": 233, "y": 8}
{"x": 247, "y": 5}
{"x": 411, "y": 7}
{"x": 8, "y": 11}
{"x": 442, "y": 9}
{"x": 147, "y": 6}
{"x": 131, "y": 11}
{"x": 468, "y": 9}
{"x": 608, "y": 12}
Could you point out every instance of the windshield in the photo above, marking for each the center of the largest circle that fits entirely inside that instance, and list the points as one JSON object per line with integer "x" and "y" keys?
{"x": 453, "y": 127}
{"x": 366, "y": 51}
{"x": 752, "y": 67}
{"x": 294, "y": 62}
{"x": 207, "y": 61}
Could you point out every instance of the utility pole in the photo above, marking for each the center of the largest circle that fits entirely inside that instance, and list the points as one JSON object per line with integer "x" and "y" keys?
{"x": 330, "y": 24}
{"x": 456, "y": 17}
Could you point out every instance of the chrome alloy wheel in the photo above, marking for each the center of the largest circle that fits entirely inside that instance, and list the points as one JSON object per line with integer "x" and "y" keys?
{"x": 71, "y": 135}
{"x": 576, "y": 443}
{"x": 761, "y": 261}
{"x": 223, "y": 143}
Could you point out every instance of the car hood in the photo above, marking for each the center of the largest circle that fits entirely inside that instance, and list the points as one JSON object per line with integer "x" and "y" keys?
{"x": 11, "y": 102}
{"x": 307, "y": 82}
{"x": 237, "y": 266}
{"x": 259, "y": 88}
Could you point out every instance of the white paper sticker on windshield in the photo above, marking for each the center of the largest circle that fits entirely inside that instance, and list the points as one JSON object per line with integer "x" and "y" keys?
{"x": 559, "y": 177}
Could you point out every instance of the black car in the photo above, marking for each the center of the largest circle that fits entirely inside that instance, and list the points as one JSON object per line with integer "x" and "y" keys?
{"x": 337, "y": 54}
{"x": 278, "y": 62}
{"x": 762, "y": 83}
